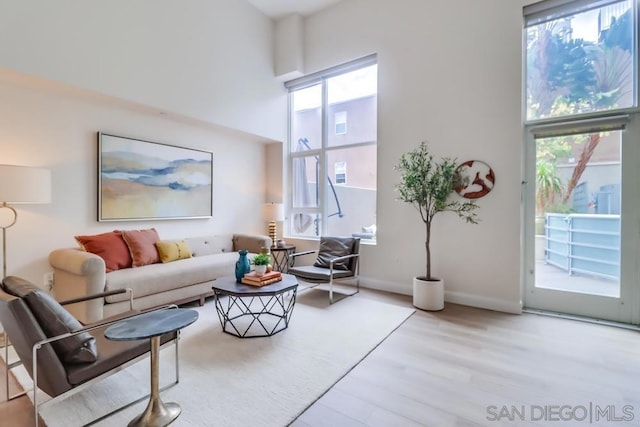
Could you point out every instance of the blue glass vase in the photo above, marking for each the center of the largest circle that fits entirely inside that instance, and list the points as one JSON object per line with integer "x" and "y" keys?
{"x": 242, "y": 265}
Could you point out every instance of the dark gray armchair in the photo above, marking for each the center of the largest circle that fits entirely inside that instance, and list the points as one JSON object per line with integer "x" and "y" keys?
{"x": 338, "y": 260}
{"x": 61, "y": 355}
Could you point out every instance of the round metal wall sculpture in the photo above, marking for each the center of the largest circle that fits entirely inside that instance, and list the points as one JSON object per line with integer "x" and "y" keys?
{"x": 474, "y": 179}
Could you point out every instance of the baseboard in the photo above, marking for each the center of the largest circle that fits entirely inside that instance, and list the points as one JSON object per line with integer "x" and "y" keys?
{"x": 452, "y": 297}
{"x": 385, "y": 286}
{"x": 483, "y": 302}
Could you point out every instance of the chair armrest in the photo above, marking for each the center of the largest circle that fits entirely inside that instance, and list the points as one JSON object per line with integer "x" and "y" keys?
{"x": 303, "y": 253}
{"x": 98, "y": 325}
{"x": 342, "y": 258}
{"x": 128, "y": 314}
{"x": 98, "y": 295}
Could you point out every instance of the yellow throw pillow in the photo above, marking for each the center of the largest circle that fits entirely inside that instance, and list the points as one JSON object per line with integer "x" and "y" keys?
{"x": 172, "y": 251}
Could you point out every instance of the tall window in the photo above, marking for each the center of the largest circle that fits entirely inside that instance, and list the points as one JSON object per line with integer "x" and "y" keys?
{"x": 581, "y": 106}
{"x": 320, "y": 148}
{"x": 580, "y": 57}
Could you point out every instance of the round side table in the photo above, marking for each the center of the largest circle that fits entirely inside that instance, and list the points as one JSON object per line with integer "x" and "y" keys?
{"x": 282, "y": 258}
{"x": 151, "y": 326}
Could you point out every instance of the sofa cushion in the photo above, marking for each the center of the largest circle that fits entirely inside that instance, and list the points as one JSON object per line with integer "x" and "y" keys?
{"x": 173, "y": 250}
{"x": 54, "y": 320}
{"x": 333, "y": 247}
{"x": 108, "y": 246}
{"x": 251, "y": 243}
{"x": 142, "y": 246}
{"x": 156, "y": 278}
{"x": 209, "y": 245}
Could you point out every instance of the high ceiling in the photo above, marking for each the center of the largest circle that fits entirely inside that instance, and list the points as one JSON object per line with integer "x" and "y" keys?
{"x": 278, "y": 8}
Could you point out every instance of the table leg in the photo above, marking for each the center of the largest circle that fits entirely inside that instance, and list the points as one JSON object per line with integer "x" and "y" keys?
{"x": 157, "y": 413}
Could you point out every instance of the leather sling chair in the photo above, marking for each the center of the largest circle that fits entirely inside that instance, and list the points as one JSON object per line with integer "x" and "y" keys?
{"x": 61, "y": 355}
{"x": 337, "y": 260}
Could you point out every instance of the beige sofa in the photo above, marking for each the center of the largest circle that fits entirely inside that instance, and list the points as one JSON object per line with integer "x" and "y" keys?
{"x": 78, "y": 273}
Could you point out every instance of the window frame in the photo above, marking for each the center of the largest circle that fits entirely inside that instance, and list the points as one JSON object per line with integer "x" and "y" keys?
{"x": 547, "y": 10}
{"x": 307, "y": 81}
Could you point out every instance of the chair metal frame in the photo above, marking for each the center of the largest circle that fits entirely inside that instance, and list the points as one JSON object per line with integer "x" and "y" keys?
{"x": 17, "y": 363}
{"x": 331, "y": 278}
{"x": 100, "y": 324}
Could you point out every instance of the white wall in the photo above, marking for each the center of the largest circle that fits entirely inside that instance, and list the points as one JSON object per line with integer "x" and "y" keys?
{"x": 54, "y": 126}
{"x": 449, "y": 74}
{"x": 289, "y": 44}
{"x": 207, "y": 59}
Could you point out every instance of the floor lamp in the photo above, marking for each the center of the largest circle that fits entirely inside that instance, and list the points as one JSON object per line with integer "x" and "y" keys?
{"x": 273, "y": 212}
{"x": 20, "y": 185}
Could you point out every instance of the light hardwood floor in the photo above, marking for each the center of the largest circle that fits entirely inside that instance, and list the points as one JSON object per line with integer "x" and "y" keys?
{"x": 472, "y": 367}
{"x": 465, "y": 366}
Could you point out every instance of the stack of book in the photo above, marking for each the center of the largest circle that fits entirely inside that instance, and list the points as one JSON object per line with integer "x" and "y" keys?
{"x": 253, "y": 279}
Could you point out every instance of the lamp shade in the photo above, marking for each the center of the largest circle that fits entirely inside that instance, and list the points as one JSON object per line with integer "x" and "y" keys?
{"x": 24, "y": 184}
{"x": 273, "y": 211}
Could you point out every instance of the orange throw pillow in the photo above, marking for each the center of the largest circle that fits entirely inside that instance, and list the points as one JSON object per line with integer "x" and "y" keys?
{"x": 108, "y": 246}
{"x": 142, "y": 246}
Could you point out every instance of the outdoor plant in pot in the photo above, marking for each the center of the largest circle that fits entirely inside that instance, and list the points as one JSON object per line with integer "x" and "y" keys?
{"x": 261, "y": 261}
{"x": 428, "y": 184}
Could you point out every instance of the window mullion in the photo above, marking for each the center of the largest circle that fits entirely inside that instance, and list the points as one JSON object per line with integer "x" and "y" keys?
{"x": 354, "y": 145}
{"x": 322, "y": 182}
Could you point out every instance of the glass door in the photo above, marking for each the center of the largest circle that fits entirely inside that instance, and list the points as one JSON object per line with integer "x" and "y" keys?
{"x": 581, "y": 216}
{"x": 582, "y": 224}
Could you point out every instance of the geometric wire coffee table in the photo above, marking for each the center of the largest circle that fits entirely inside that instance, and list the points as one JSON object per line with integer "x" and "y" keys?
{"x": 254, "y": 311}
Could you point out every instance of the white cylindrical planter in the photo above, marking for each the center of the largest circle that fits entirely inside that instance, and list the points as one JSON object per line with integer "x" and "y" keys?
{"x": 428, "y": 294}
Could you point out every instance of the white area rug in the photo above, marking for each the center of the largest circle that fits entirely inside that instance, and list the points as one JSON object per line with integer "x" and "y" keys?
{"x": 227, "y": 381}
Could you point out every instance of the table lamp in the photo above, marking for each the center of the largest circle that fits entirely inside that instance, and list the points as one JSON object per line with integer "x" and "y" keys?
{"x": 273, "y": 212}
{"x": 21, "y": 185}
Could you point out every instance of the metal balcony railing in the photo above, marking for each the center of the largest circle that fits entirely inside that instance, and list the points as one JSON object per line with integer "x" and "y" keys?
{"x": 584, "y": 243}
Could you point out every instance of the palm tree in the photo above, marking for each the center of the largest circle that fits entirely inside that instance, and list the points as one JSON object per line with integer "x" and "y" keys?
{"x": 613, "y": 68}
{"x": 548, "y": 185}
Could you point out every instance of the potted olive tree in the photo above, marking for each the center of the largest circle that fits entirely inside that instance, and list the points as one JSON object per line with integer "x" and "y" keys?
{"x": 428, "y": 185}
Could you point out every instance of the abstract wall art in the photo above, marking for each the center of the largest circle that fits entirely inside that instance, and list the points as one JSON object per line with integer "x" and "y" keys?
{"x": 474, "y": 179}
{"x": 142, "y": 180}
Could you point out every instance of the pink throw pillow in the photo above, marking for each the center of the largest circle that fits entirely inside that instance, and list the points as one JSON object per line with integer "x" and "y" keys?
{"x": 142, "y": 246}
